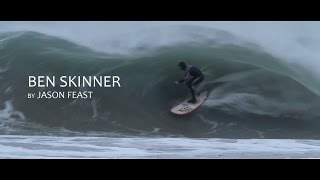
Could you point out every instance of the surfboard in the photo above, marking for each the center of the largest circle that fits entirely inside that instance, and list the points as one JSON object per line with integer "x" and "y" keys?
{"x": 185, "y": 108}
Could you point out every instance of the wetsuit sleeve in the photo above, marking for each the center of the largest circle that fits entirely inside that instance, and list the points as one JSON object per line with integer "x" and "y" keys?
{"x": 184, "y": 78}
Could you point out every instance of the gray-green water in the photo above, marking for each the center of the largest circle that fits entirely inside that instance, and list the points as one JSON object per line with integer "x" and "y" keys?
{"x": 252, "y": 94}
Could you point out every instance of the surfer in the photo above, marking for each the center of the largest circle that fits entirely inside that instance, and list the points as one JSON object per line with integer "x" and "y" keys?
{"x": 194, "y": 77}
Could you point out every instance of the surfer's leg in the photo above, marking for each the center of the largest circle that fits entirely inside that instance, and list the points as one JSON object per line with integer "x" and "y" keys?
{"x": 189, "y": 84}
{"x": 196, "y": 82}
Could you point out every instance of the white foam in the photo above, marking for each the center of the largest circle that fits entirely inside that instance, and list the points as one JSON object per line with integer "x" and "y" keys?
{"x": 7, "y": 114}
{"x": 104, "y": 147}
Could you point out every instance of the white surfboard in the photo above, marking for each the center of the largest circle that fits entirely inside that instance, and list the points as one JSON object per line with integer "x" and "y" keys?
{"x": 186, "y": 108}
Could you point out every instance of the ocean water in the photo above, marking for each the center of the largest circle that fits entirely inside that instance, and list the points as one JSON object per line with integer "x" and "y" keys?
{"x": 263, "y": 80}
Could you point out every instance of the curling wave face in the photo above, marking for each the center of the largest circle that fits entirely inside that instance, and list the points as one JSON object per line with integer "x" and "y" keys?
{"x": 252, "y": 93}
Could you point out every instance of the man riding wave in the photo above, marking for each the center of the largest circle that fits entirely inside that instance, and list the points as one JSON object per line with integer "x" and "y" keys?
{"x": 193, "y": 76}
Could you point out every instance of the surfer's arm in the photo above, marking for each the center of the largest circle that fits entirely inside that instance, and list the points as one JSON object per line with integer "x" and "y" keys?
{"x": 184, "y": 78}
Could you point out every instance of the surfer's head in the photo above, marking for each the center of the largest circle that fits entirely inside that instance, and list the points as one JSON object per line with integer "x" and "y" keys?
{"x": 182, "y": 65}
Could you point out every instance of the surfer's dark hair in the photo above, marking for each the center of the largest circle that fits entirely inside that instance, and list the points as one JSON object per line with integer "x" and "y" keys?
{"x": 182, "y": 64}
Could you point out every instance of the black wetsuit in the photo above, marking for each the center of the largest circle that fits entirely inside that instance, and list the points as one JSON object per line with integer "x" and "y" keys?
{"x": 197, "y": 77}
